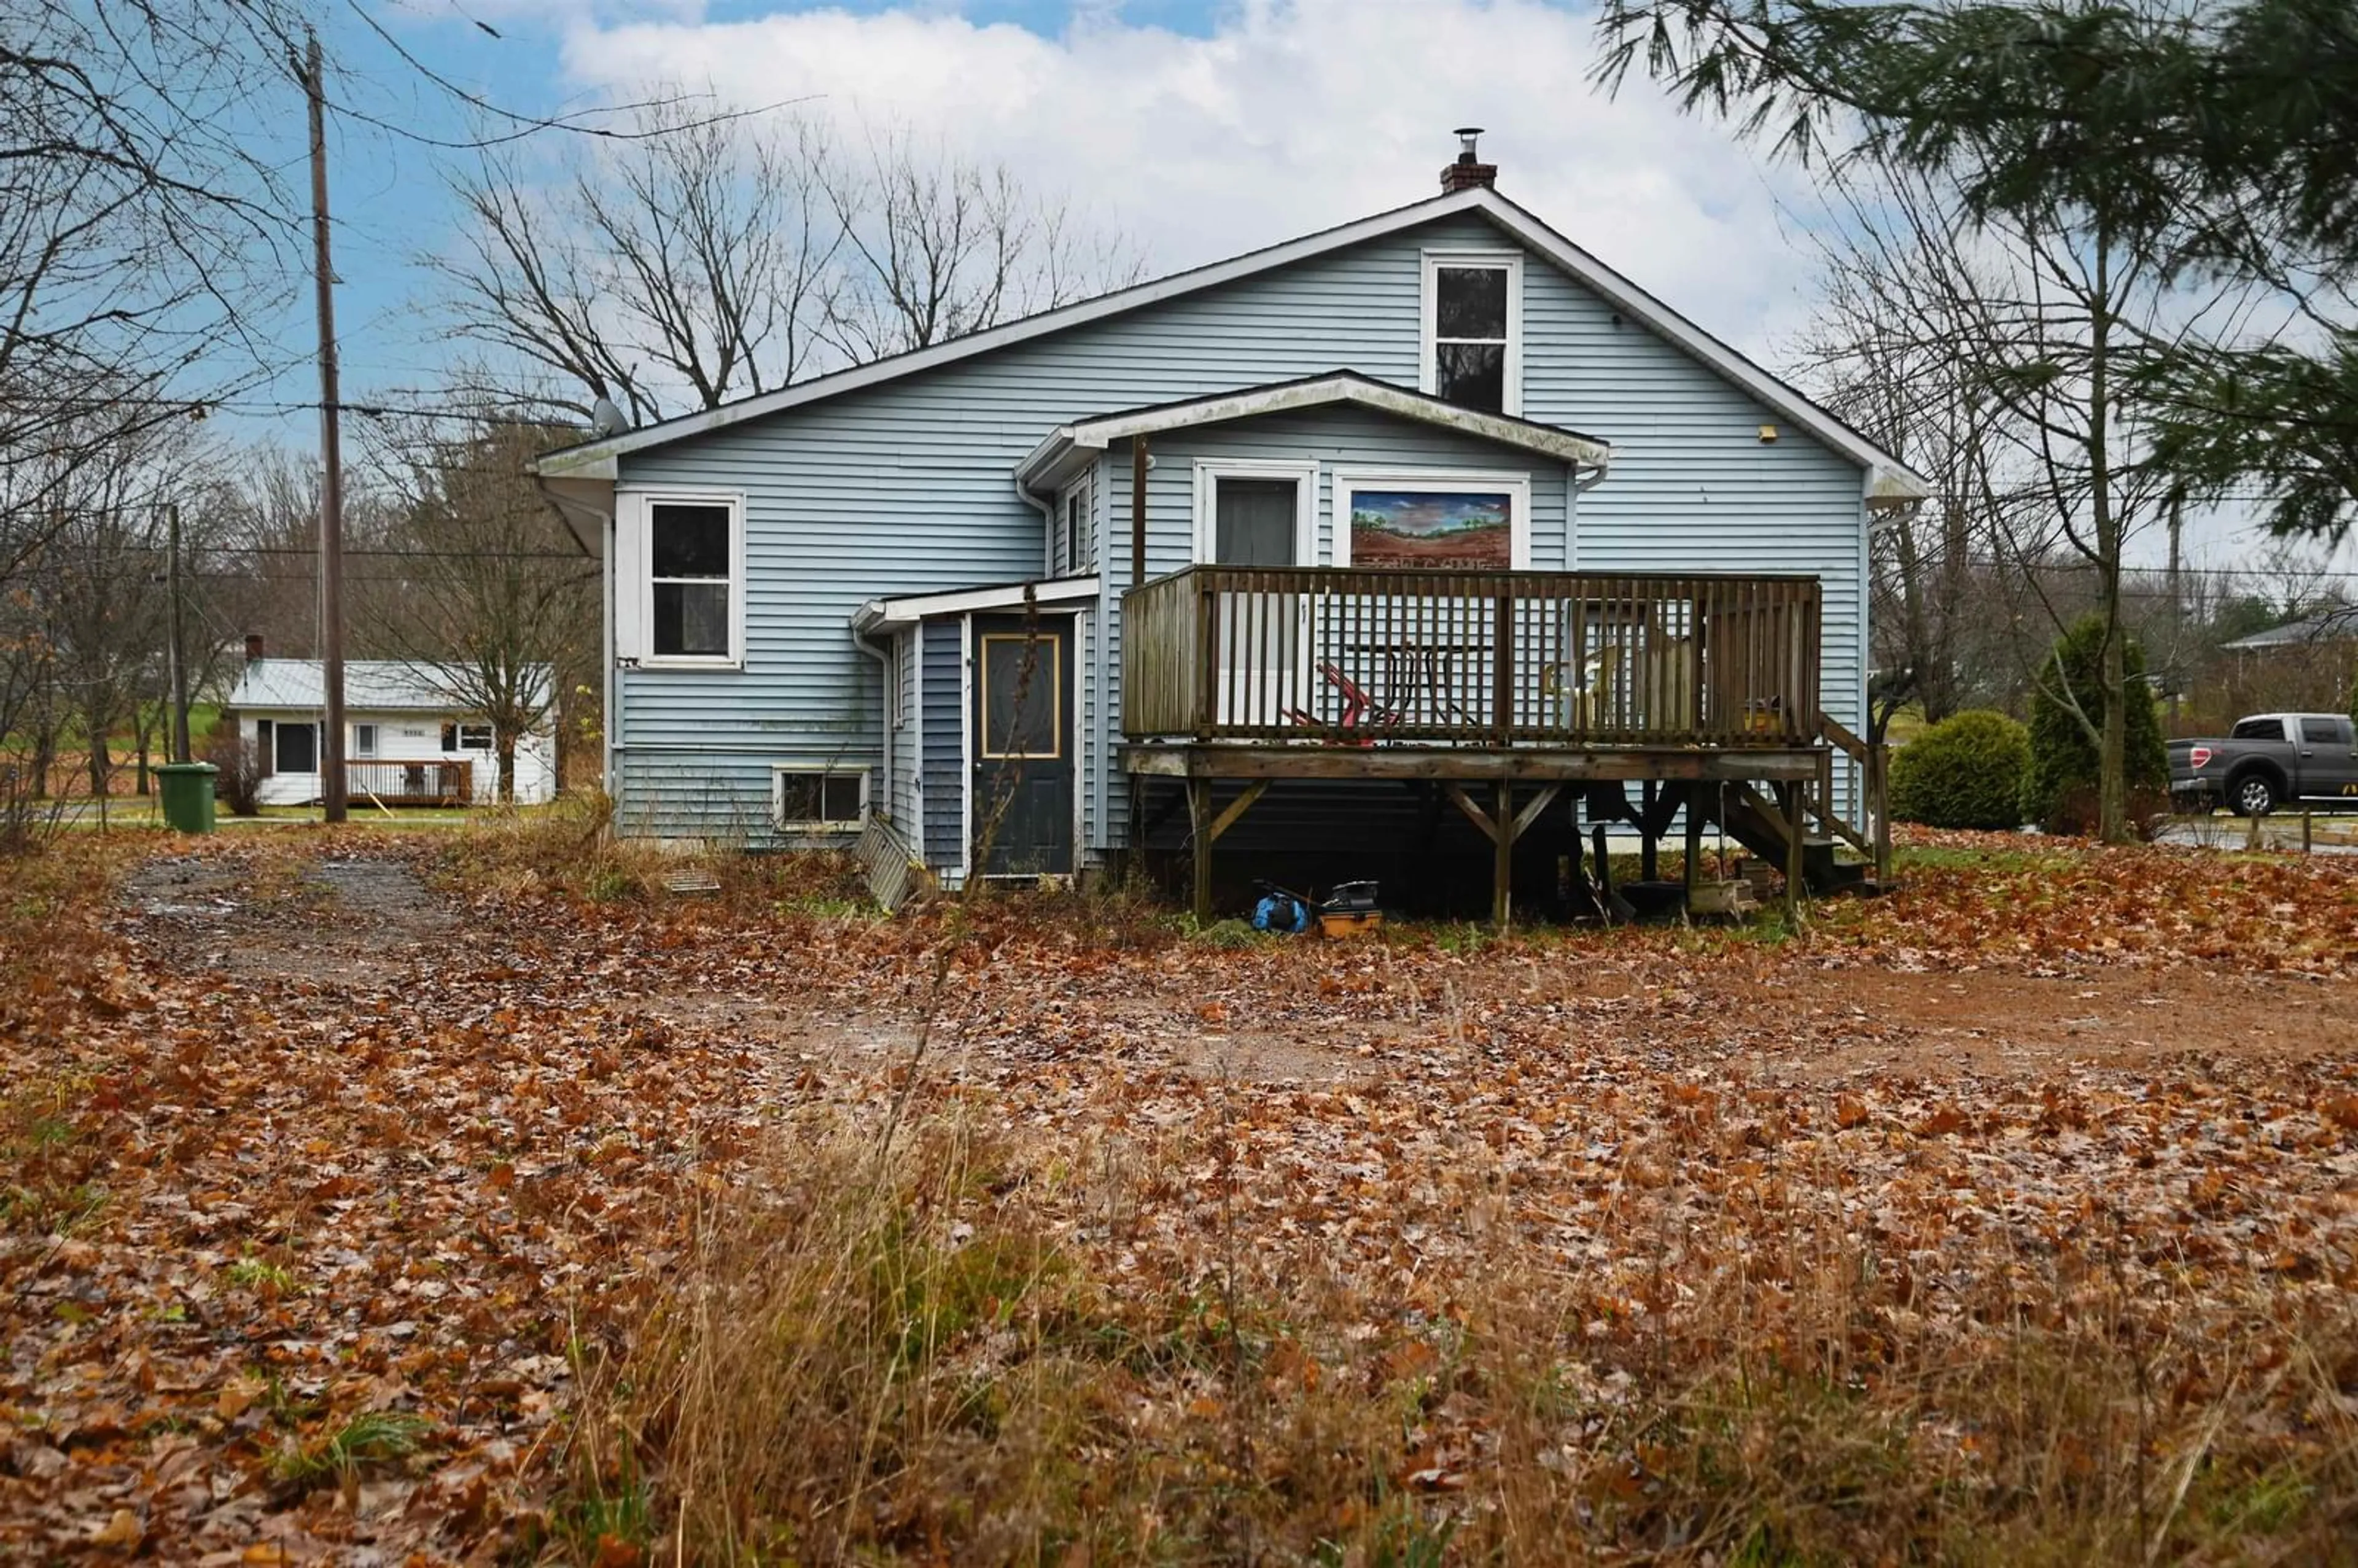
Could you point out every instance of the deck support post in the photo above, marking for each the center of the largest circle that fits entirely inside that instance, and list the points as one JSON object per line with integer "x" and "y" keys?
{"x": 1199, "y": 824}
{"x": 1795, "y": 829}
{"x": 1694, "y": 841}
{"x": 1503, "y": 855}
{"x": 1649, "y": 842}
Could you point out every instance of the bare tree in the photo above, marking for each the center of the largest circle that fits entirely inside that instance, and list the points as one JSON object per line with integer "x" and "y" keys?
{"x": 710, "y": 260}
{"x": 686, "y": 262}
{"x": 1930, "y": 572}
{"x": 498, "y": 607}
{"x": 129, "y": 209}
{"x": 2039, "y": 317}
{"x": 937, "y": 246}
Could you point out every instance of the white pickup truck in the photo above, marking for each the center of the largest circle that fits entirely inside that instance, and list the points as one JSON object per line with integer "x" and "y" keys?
{"x": 2266, "y": 761}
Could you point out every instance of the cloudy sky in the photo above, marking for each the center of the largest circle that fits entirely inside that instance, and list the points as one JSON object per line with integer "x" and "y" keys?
{"x": 1198, "y": 129}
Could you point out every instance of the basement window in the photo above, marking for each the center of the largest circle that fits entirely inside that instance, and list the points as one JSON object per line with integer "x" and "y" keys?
{"x": 818, "y": 799}
{"x": 1472, "y": 320}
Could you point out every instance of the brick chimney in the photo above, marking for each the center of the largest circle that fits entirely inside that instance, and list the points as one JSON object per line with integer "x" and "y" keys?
{"x": 1468, "y": 171}
{"x": 254, "y": 647}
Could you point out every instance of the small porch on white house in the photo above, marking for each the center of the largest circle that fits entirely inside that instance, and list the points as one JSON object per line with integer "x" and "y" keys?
{"x": 1512, "y": 693}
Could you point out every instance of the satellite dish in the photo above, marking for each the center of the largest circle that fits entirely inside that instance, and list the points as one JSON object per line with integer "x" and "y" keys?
{"x": 605, "y": 419}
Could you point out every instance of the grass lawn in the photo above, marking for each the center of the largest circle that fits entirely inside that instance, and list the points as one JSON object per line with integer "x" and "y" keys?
{"x": 463, "y": 1195}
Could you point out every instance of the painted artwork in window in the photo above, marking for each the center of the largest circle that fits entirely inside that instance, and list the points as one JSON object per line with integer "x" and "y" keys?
{"x": 1433, "y": 530}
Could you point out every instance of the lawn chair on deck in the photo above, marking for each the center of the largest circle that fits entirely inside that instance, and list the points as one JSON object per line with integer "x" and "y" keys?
{"x": 1360, "y": 711}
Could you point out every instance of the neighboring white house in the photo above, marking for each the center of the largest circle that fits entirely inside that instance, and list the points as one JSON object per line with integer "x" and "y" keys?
{"x": 406, "y": 738}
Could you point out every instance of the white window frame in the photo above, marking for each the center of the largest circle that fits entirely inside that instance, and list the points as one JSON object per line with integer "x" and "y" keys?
{"x": 365, "y": 736}
{"x": 1516, "y": 485}
{"x": 490, "y": 735}
{"x": 781, "y": 772}
{"x": 1073, "y": 541}
{"x": 638, "y": 508}
{"x": 1429, "y": 310}
{"x": 896, "y": 695}
{"x": 1303, "y": 472}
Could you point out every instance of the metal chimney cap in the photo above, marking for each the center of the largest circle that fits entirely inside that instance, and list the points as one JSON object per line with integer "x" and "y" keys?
{"x": 1465, "y": 135}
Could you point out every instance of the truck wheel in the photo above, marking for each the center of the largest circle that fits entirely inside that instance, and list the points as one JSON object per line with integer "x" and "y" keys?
{"x": 2255, "y": 796}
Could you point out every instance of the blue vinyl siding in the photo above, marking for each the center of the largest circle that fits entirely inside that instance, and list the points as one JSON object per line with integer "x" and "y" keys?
{"x": 943, "y": 753}
{"x": 906, "y": 487}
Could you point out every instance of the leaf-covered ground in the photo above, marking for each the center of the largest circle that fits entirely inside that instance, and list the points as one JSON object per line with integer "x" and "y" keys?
{"x": 327, "y": 1162}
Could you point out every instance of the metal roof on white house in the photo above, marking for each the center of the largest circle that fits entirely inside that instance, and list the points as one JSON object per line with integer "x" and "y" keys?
{"x": 2339, "y": 624}
{"x": 374, "y": 686}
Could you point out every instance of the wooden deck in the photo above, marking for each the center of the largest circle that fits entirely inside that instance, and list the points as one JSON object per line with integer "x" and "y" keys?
{"x": 1697, "y": 687}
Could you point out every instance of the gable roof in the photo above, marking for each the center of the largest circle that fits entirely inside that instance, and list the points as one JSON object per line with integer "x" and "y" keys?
{"x": 1888, "y": 478}
{"x": 373, "y": 686}
{"x": 1044, "y": 468}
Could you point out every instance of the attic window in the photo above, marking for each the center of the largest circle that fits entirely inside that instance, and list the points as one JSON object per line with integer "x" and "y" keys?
{"x": 1472, "y": 314}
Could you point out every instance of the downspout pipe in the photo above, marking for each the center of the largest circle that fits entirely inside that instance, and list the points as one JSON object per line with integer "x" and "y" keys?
{"x": 883, "y": 657}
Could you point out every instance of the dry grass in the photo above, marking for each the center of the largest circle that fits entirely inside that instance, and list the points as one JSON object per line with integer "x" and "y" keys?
{"x": 957, "y": 1349}
{"x": 571, "y": 848}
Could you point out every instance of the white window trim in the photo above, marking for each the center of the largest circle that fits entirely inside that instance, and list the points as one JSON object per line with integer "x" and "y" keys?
{"x": 781, "y": 772}
{"x": 1209, "y": 472}
{"x": 642, "y": 505}
{"x": 1516, "y": 485}
{"x": 1080, "y": 490}
{"x": 1428, "y": 314}
{"x": 376, "y": 733}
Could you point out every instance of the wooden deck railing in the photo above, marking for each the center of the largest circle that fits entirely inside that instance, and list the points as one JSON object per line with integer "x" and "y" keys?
{"x": 1488, "y": 658}
{"x": 392, "y": 782}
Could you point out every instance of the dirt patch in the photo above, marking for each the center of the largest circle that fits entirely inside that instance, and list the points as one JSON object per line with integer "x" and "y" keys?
{"x": 333, "y": 922}
{"x": 1995, "y": 1024}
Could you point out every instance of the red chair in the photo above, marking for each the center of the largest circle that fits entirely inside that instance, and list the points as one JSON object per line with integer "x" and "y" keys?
{"x": 1360, "y": 711}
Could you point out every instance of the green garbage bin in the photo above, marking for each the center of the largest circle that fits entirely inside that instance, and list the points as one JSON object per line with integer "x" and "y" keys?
{"x": 187, "y": 789}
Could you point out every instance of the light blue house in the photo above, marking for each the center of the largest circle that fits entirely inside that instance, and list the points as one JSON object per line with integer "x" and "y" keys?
{"x": 1434, "y": 498}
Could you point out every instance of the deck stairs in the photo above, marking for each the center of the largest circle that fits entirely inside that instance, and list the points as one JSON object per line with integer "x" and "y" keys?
{"x": 1753, "y": 821}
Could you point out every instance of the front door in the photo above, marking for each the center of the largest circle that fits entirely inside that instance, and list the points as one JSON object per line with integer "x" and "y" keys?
{"x": 1023, "y": 806}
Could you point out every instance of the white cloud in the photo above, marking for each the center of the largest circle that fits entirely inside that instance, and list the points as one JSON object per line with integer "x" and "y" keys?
{"x": 1288, "y": 118}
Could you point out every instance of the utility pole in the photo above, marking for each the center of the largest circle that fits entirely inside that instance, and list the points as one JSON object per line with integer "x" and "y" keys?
{"x": 173, "y": 657}
{"x": 332, "y": 457}
{"x": 2177, "y": 662}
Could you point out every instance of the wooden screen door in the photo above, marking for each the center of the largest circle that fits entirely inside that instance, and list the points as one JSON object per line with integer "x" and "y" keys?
{"x": 1023, "y": 773}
